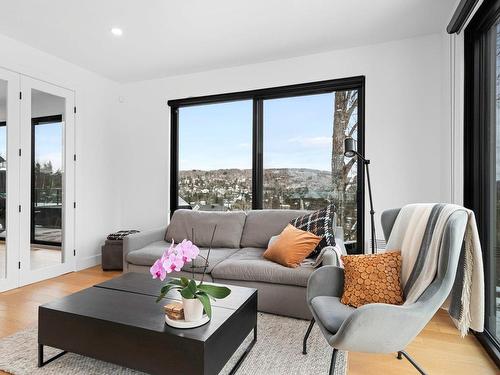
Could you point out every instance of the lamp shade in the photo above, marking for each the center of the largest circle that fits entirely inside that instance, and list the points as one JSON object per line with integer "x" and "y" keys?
{"x": 349, "y": 147}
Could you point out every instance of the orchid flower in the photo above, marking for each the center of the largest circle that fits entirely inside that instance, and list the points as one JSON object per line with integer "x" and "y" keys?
{"x": 187, "y": 250}
{"x": 159, "y": 268}
{"x": 174, "y": 258}
{"x": 173, "y": 263}
{"x": 158, "y": 271}
{"x": 170, "y": 250}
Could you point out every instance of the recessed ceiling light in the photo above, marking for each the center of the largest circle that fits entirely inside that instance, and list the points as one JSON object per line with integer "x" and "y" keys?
{"x": 116, "y": 31}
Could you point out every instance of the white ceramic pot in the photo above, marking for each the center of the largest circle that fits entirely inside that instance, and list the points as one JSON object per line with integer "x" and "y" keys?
{"x": 193, "y": 309}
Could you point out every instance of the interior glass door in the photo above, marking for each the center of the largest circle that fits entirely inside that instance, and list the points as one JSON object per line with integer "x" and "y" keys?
{"x": 47, "y": 169}
{"x": 9, "y": 131}
{"x": 3, "y": 178}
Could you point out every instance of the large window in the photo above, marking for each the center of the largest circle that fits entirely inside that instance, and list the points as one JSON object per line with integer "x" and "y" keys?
{"x": 279, "y": 148}
{"x": 482, "y": 153}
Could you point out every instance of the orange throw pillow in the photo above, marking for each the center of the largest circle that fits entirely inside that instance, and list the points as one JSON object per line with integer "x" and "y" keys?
{"x": 372, "y": 279}
{"x": 292, "y": 246}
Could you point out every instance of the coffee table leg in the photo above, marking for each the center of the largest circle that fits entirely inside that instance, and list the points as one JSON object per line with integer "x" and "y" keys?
{"x": 244, "y": 355}
{"x": 41, "y": 362}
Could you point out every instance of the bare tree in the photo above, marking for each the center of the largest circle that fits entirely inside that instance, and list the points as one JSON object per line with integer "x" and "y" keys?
{"x": 345, "y": 124}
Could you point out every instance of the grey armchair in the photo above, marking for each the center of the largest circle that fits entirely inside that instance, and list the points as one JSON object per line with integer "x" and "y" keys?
{"x": 378, "y": 327}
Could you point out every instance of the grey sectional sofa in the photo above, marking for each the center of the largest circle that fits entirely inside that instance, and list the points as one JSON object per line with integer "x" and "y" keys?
{"x": 236, "y": 257}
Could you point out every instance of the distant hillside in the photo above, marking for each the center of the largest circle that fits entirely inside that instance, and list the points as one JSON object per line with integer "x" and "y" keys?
{"x": 292, "y": 177}
{"x": 232, "y": 188}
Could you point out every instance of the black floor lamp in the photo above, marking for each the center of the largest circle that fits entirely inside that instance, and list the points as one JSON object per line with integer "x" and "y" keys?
{"x": 350, "y": 151}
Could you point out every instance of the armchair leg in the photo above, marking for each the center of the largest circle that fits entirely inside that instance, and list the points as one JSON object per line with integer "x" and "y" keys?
{"x": 402, "y": 354}
{"x": 332, "y": 363}
{"x": 308, "y": 332}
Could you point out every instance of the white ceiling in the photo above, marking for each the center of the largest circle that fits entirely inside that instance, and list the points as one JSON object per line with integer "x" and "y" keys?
{"x": 167, "y": 37}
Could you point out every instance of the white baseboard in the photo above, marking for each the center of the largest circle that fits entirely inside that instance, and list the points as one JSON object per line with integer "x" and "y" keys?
{"x": 88, "y": 262}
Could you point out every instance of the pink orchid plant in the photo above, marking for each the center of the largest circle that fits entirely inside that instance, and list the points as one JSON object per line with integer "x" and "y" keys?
{"x": 172, "y": 260}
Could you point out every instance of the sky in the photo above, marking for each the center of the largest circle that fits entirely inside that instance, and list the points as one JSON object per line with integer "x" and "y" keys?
{"x": 48, "y": 146}
{"x": 297, "y": 134}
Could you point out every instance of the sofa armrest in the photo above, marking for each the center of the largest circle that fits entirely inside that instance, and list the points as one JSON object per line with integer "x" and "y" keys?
{"x": 139, "y": 240}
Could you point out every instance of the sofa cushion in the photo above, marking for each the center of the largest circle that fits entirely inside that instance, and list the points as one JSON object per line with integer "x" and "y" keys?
{"x": 261, "y": 225}
{"x": 148, "y": 255}
{"x": 249, "y": 264}
{"x": 217, "y": 256}
{"x": 228, "y": 233}
{"x": 331, "y": 312}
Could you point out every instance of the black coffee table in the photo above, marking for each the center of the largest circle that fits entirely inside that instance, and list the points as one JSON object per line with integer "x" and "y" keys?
{"x": 118, "y": 321}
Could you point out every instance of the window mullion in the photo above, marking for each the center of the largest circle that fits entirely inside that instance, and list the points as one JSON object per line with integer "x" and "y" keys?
{"x": 257, "y": 157}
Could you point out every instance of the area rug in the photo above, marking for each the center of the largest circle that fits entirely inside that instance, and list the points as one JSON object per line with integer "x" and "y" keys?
{"x": 278, "y": 351}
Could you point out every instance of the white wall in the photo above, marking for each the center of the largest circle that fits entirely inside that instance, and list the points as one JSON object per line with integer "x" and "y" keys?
{"x": 404, "y": 116}
{"x": 96, "y": 184}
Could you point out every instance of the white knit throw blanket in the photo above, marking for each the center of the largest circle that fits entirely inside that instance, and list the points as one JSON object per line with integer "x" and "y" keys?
{"x": 418, "y": 232}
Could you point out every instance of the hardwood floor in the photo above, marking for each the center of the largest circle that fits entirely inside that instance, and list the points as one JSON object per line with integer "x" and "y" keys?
{"x": 438, "y": 349}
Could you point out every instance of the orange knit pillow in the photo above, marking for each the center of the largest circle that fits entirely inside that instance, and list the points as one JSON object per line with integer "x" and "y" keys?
{"x": 292, "y": 246}
{"x": 372, "y": 279}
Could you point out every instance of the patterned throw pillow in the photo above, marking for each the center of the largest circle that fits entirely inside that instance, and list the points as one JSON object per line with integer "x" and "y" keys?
{"x": 372, "y": 279}
{"x": 322, "y": 224}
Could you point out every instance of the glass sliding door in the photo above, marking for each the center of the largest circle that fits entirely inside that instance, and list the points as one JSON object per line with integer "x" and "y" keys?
{"x": 47, "y": 171}
{"x": 9, "y": 183}
{"x": 482, "y": 154}
{"x": 493, "y": 315}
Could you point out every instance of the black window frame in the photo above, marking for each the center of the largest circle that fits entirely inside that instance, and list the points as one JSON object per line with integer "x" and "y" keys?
{"x": 258, "y": 97}
{"x": 35, "y": 121}
{"x": 478, "y": 146}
